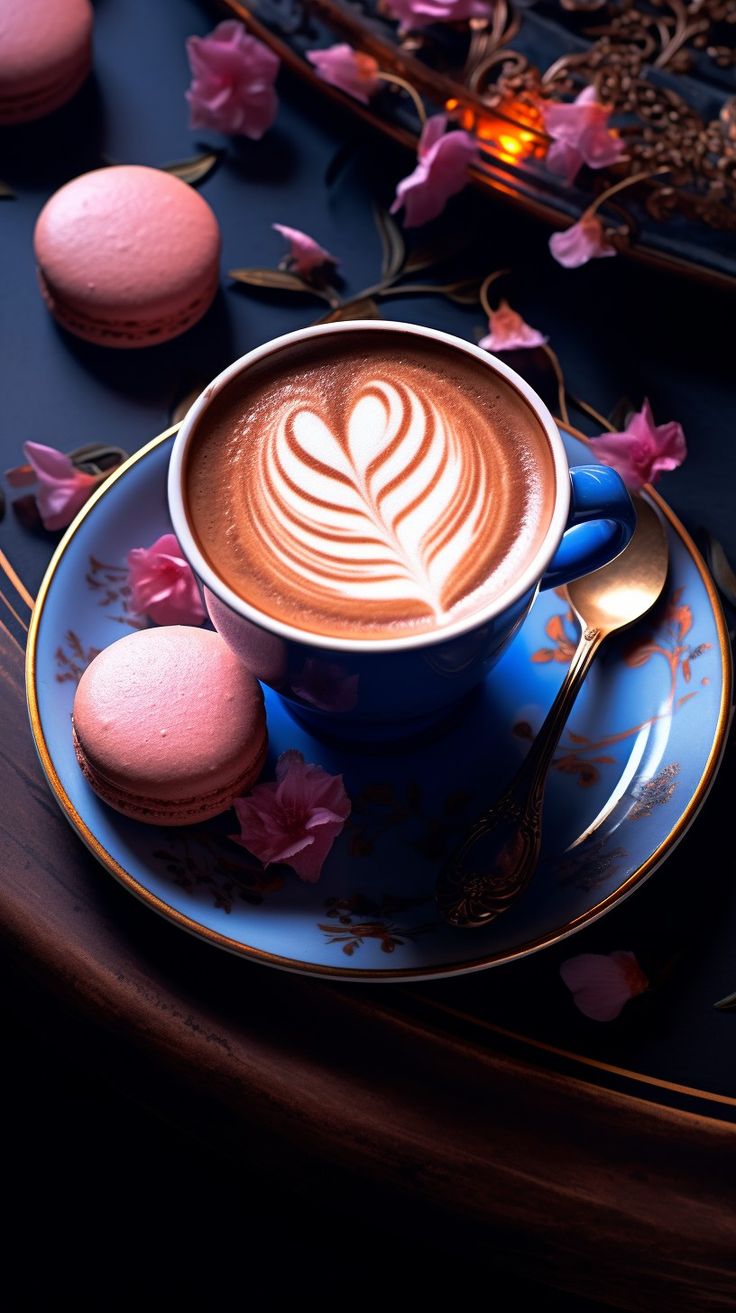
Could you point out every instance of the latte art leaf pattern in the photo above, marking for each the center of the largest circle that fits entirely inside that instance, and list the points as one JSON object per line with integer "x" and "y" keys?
{"x": 367, "y": 486}
{"x": 383, "y": 504}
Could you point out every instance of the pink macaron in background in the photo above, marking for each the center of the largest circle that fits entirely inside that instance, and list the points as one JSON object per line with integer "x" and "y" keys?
{"x": 169, "y": 726}
{"x": 45, "y": 55}
{"x": 127, "y": 256}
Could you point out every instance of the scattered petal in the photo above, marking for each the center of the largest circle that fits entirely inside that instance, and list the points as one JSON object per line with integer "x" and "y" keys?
{"x": 233, "y": 77}
{"x": 643, "y": 450}
{"x": 163, "y": 585}
{"x": 304, "y": 253}
{"x": 348, "y": 69}
{"x": 442, "y": 170}
{"x": 580, "y": 135}
{"x": 601, "y": 983}
{"x": 294, "y": 819}
{"x": 413, "y": 14}
{"x": 585, "y": 240}
{"x": 509, "y": 332}
{"x": 62, "y": 489}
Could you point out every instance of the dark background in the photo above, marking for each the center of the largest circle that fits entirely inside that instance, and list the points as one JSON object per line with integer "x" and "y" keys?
{"x": 99, "y": 1184}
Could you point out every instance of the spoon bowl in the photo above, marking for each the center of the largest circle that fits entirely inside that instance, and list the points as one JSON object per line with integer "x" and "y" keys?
{"x": 492, "y": 867}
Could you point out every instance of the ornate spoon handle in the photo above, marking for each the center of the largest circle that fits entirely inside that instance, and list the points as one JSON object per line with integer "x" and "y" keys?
{"x": 494, "y": 864}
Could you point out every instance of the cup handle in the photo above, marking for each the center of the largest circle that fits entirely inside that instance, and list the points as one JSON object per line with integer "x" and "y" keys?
{"x": 601, "y": 521}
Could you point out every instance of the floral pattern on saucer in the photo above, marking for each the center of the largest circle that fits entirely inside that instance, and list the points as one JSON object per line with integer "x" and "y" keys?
{"x": 633, "y": 762}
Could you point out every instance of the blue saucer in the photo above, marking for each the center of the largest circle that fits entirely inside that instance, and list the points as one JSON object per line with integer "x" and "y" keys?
{"x": 636, "y": 762}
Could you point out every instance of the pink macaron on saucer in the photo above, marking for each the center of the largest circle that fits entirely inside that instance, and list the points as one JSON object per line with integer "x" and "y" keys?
{"x": 169, "y": 726}
{"x": 45, "y": 55}
{"x": 127, "y": 256}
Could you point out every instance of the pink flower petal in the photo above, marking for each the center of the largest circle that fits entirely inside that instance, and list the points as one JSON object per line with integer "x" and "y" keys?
{"x": 442, "y": 171}
{"x": 47, "y": 462}
{"x": 163, "y": 585}
{"x": 643, "y": 450}
{"x": 348, "y": 69}
{"x": 602, "y": 983}
{"x": 564, "y": 160}
{"x": 294, "y": 819}
{"x": 304, "y": 253}
{"x": 62, "y": 489}
{"x": 584, "y": 241}
{"x": 580, "y": 135}
{"x": 509, "y": 332}
{"x": 233, "y": 77}
{"x": 414, "y": 14}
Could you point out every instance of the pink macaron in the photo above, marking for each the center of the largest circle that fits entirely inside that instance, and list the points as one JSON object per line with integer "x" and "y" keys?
{"x": 169, "y": 726}
{"x": 127, "y": 256}
{"x": 45, "y": 55}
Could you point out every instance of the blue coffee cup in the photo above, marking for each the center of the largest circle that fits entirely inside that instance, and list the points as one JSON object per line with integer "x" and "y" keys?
{"x": 366, "y": 689}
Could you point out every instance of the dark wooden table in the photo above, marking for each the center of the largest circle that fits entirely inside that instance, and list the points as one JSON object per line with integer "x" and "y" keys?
{"x": 483, "y": 1111}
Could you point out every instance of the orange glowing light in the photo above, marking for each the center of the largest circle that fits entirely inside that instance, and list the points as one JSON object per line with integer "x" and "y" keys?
{"x": 512, "y": 145}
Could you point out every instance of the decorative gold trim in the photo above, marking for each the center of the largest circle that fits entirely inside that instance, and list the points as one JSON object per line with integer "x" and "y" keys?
{"x": 11, "y": 636}
{"x": 345, "y": 973}
{"x": 16, "y": 581}
{"x": 6, "y": 601}
{"x": 690, "y": 1091}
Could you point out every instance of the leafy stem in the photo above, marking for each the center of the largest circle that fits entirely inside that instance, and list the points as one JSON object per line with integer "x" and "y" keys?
{"x": 561, "y": 389}
{"x": 487, "y": 283}
{"x": 410, "y": 91}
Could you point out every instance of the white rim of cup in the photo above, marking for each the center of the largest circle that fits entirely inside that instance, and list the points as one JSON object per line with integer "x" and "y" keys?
{"x": 404, "y": 643}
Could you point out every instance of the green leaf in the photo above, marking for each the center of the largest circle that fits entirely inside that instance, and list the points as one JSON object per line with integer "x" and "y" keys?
{"x": 195, "y": 169}
{"x": 392, "y": 242}
{"x": 6, "y": 192}
{"x": 464, "y": 292}
{"x": 363, "y": 307}
{"x": 278, "y": 280}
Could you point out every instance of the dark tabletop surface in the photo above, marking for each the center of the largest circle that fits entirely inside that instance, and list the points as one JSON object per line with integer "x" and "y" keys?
{"x": 619, "y": 330}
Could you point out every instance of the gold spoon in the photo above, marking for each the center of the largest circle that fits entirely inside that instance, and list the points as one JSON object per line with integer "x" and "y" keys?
{"x": 493, "y": 865}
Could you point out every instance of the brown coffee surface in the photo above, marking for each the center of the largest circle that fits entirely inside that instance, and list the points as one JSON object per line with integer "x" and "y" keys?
{"x": 369, "y": 485}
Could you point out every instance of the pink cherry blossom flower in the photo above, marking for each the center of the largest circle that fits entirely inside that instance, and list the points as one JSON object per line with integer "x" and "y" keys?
{"x": 442, "y": 170}
{"x": 326, "y": 685}
{"x": 295, "y": 819}
{"x": 304, "y": 253}
{"x": 162, "y": 584}
{"x": 584, "y": 241}
{"x": 62, "y": 488}
{"x": 643, "y": 450}
{"x": 413, "y": 14}
{"x": 601, "y": 983}
{"x": 232, "y": 87}
{"x": 348, "y": 69}
{"x": 580, "y": 135}
{"x": 509, "y": 332}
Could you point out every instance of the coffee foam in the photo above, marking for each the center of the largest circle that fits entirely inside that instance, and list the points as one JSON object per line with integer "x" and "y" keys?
{"x": 363, "y": 486}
